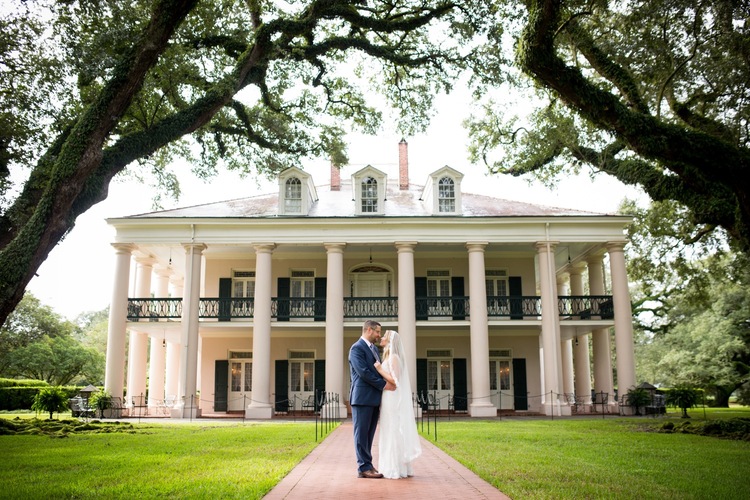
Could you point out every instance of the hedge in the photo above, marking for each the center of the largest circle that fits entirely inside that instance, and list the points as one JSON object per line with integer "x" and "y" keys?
{"x": 21, "y": 398}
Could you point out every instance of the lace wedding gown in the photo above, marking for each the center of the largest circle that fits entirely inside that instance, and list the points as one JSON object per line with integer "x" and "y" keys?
{"x": 398, "y": 443}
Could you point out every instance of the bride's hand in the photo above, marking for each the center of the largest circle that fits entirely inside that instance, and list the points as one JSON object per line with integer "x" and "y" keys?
{"x": 377, "y": 364}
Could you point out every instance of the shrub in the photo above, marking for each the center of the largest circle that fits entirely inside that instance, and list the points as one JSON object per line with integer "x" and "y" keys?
{"x": 638, "y": 397}
{"x": 50, "y": 399}
{"x": 101, "y": 400}
{"x": 683, "y": 397}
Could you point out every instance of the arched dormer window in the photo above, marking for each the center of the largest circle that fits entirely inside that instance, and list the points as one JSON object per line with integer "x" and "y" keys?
{"x": 446, "y": 195}
{"x": 297, "y": 192}
{"x": 369, "y": 198}
{"x": 442, "y": 192}
{"x": 293, "y": 196}
{"x": 368, "y": 190}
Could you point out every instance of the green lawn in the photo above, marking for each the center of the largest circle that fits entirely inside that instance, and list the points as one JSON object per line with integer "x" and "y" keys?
{"x": 154, "y": 461}
{"x": 533, "y": 458}
{"x": 601, "y": 458}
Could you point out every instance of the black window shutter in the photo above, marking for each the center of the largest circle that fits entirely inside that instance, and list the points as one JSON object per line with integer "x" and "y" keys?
{"x": 282, "y": 291}
{"x": 516, "y": 300}
{"x": 320, "y": 381}
{"x": 422, "y": 381}
{"x": 221, "y": 384}
{"x": 460, "y": 390}
{"x": 459, "y": 302}
{"x": 282, "y": 385}
{"x": 520, "y": 398}
{"x": 320, "y": 299}
{"x": 225, "y": 299}
{"x": 420, "y": 299}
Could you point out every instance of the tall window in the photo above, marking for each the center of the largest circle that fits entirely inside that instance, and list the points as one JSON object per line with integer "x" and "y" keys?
{"x": 293, "y": 196}
{"x": 302, "y": 287}
{"x": 446, "y": 195}
{"x": 369, "y": 195}
{"x": 243, "y": 284}
{"x": 496, "y": 282}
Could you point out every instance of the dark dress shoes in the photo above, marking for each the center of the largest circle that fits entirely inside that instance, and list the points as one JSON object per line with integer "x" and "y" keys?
{"x": 370, "y": 474}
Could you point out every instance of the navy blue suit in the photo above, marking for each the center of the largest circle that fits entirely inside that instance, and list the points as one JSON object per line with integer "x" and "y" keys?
{"x": 364, "y": 397}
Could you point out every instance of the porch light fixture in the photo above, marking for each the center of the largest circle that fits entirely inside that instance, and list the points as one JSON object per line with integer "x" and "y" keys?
{"x": 576, "y": 341}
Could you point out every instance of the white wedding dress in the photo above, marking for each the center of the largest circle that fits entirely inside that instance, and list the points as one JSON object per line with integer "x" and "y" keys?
{"x": 398, "y": 442}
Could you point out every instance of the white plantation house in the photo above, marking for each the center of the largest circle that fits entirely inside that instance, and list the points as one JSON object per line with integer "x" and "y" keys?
{"x": 251, "y": 305}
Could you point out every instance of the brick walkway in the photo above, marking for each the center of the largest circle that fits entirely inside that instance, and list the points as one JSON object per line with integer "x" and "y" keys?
{"x": 330, "y": 471}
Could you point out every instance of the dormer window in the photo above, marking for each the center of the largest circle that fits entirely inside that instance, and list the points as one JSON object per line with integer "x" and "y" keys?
{"x": 368, "y": 188}
{"x": 293, "y": 196}
{"x": 369, "y": 195}
{"x": 446, "y": 195}
{"x": 296, "y": 192}
{"x": 442, "y": 192}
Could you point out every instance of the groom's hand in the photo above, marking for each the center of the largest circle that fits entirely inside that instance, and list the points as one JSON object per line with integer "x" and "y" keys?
{"x": 389, "y": 387}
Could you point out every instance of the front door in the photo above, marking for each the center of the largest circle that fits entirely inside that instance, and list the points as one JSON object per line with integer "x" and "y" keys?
{"x": 240, "y": 384}
{"x": 440, "y": 380}
{"x": 500, "y": 384}
{"x": 371, "y": 285}
{"x": 301, "y": 383}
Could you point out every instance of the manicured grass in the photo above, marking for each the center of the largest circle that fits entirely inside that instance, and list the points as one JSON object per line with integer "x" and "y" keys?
{"x": 599, "y": 458}
{"x": 579, "y": 457}
{"x": 155, "y": 461}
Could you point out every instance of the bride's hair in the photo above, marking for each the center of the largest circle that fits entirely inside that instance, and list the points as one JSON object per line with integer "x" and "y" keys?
{"x": 388, "y": 347}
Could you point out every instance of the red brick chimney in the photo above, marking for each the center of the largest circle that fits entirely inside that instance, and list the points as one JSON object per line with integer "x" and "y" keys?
{"x": 403, "y": 165}
{"x": 335, "y": 178}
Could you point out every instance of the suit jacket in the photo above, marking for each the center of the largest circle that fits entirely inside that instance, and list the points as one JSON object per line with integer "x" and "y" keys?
{"x": 367, "y": 384}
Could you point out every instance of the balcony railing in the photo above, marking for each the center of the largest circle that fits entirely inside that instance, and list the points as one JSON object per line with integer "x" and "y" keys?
{"x": 453, "y": 308}
{"x": 586, "y": 307}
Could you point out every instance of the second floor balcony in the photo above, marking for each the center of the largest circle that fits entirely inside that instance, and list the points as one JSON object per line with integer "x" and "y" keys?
{"x": 587, "y": 307}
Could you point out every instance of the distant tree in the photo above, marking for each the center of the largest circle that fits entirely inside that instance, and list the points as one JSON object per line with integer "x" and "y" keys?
{"x": 58, "y": 360}
{"x": 691, "y": 300}
{"x": 655, "y": 93}
{"x": 31, "y": 322}
{"x": 51, "y": 400}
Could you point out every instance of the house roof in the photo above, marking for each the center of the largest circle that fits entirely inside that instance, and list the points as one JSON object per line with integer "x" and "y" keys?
{"x": 398, "y": 203}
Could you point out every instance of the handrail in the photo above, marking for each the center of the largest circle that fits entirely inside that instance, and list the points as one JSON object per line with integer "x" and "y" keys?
{"x": 584, "y": 307}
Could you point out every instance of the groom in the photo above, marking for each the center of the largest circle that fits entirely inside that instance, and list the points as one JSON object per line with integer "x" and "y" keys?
{"x": 366, "y": 390}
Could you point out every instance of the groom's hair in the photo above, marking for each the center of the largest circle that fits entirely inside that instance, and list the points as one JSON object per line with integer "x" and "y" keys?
{"x": 370, "y": 324}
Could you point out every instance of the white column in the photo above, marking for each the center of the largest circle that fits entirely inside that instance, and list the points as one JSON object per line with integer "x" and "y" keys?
{"x": 138, "y": 353}
{"x": 187, "y": 390}
{"x": 566, "y": 348}
{"x": 335, "y": 324}
{"x": 550, "y": 327}
{"x": 623, "y": 318}
{"x": 260, "y": 404}
{"x": 407, "y": 312}
{"x": 481, "y": 402}
{"x": 157, "y": 353}
{"x": 118, "y": 314}
{"x": 600, "y": 337}
{"x": 581, "y": 361}
{"x": 171, "y": 384}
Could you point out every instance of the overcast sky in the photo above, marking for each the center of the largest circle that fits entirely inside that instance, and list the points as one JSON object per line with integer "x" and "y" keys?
{"x": 77, "y": 276}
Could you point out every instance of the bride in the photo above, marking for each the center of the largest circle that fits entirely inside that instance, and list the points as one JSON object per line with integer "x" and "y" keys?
{"x": 398, "y": 443}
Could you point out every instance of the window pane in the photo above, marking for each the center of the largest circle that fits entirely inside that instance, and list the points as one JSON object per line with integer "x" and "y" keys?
{"x": 432, "y": 376}
{"x": 505, "y": 375}
{"x": 446, "y": 195}
{"x": 308, "y": 377}
{"x": 493, "y": 375}
{"x": 445, "y": 375}
{"x": 248, "y": 377}
{"x": 295, "y": 377}
{"x": 236, "y": 377}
